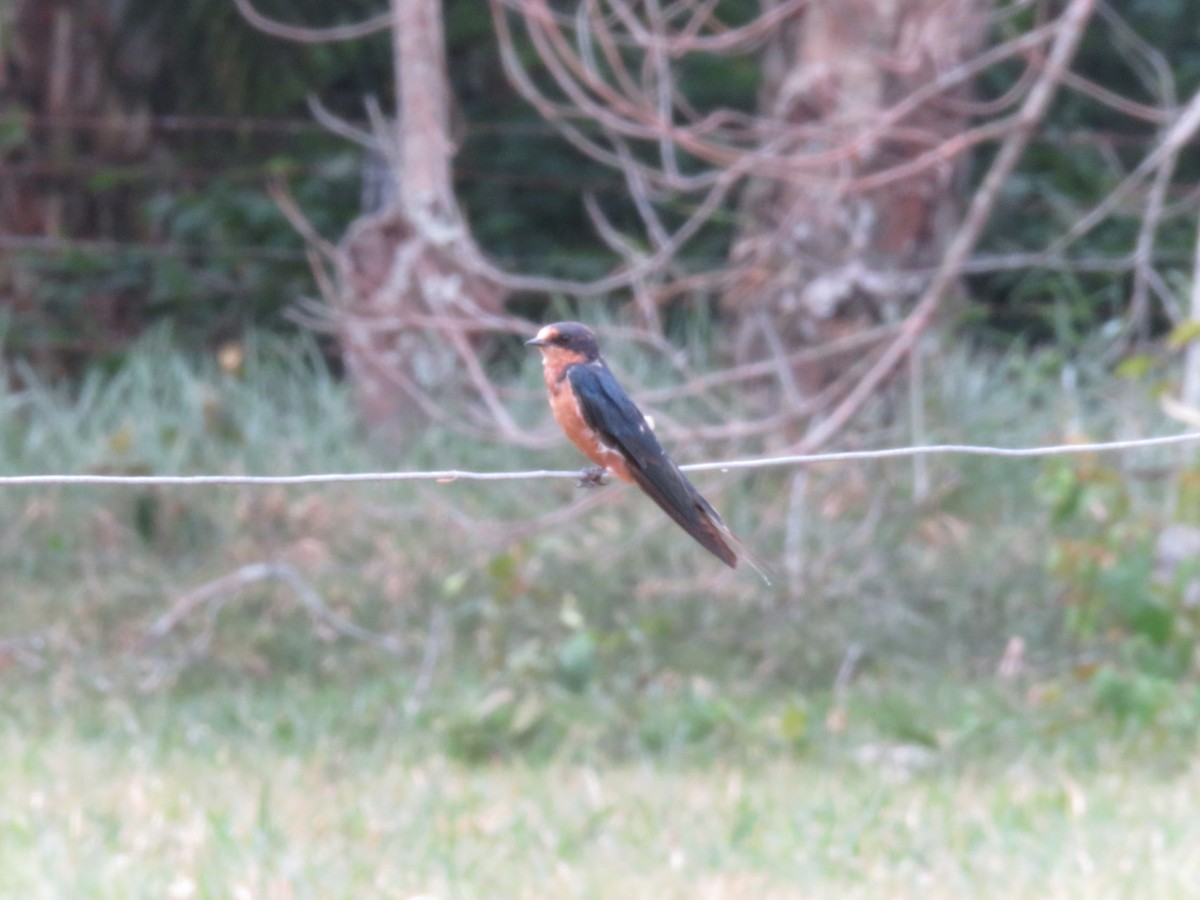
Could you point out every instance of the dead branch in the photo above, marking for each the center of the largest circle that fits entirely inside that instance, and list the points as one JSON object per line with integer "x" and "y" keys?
{"x": 214, "y": 594}
{"x": 1070, "y": 30}
{"x": 1185, "y": 126}
{"x": 1190, "y": 392}
{"x": 342, "y": 128}
{"x": 607, "y": 78}
{"x": 637, "y": 111}
{"x": 439, "y": 631}
{"x": 303, "y": 35}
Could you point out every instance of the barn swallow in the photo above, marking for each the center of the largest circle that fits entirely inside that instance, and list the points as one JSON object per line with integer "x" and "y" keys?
{"x": 599, "y": 418}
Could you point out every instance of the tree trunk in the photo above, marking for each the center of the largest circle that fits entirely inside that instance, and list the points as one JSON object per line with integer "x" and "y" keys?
{"x": 819, "y": 256}
{"x": 56, "y": 67}
{"x": 410, "y": 293}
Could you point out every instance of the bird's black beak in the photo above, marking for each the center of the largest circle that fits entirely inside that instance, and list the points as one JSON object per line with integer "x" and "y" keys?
{"x": 535, "y": 342}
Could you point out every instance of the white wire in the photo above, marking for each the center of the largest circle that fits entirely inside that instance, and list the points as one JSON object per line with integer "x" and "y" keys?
{"x": 450, "y": 475}
{"x": 949, "y": 450}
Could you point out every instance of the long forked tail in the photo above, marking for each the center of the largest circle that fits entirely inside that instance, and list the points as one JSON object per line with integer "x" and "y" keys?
{"x": 680, "y": 500}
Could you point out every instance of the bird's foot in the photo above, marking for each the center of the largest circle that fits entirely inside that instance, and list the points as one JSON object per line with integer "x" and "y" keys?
{"x": 593, "y": 477}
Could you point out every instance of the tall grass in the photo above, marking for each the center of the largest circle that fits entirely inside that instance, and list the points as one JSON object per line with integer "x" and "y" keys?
{"x": 574, "y": 700}
{"x": 536, "y": 580}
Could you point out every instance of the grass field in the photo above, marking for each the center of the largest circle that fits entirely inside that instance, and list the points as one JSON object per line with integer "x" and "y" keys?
{"x": 570, "y": 700}
{"x": 312, "y": 792}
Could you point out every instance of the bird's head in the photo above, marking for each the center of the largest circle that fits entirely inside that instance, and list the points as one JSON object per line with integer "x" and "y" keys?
{"x": 566, "y": 343}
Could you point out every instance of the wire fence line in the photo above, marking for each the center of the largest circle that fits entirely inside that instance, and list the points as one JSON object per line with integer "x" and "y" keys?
{"x": 446, "y": 476}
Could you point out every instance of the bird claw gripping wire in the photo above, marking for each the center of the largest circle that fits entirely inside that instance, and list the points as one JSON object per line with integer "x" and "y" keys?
{"x": 593, "y": 477}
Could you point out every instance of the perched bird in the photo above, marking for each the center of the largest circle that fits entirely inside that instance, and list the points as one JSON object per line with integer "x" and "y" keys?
{"x": 600, "y": 419}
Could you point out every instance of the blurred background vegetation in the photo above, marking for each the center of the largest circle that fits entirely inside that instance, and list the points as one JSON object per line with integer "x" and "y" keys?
{"x": 163, "y": 216}
{"x": 161, "y": 212}
{"x": 928, "y": 617}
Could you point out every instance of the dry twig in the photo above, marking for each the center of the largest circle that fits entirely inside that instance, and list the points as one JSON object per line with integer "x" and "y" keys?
{"x": 214, "y": 594}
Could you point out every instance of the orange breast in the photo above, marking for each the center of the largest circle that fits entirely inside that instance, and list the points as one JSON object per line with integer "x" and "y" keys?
{"x": 569, "y": 417}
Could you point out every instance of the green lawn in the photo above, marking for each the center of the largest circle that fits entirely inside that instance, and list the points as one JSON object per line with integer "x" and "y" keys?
{"x": 609, "y": 713}
{"x": 252, "y": 793}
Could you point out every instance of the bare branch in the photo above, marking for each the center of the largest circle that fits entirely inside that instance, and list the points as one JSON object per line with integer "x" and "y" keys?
{"x": 341, "y": 127}
{"x": 303, "y": 35}
{"x": 1070, "y": 30}
{"x": 219, "y": 589}
{"x": 1186, "y": 124}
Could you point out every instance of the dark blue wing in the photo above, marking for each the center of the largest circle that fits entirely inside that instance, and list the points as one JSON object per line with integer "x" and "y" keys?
{"x": 608, "y": 411}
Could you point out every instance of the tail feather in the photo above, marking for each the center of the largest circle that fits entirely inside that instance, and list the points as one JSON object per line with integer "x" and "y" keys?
{"x": 735, "y": 544}
{"x": 680, "y": 500}
{"x": 691, "y": 512}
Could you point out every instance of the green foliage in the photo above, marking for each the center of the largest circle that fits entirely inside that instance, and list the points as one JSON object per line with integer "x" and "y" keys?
{"x": 200, "y": 246}
{"x": 1133, "y": 697}
{"x": 1104, "y": 554}
{"x": 602, "y": 633}
{"x": 233, "y": 68}
{"x": 500, "y": 724}
{"x": 1183, "y": 334}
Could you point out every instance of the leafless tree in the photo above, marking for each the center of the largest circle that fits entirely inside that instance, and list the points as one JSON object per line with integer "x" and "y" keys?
{"x": 846, "y": 181}
{"x": 408, "y": 291}
{"x": 851, "y": 89}
{"x": 847, "y": 175}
